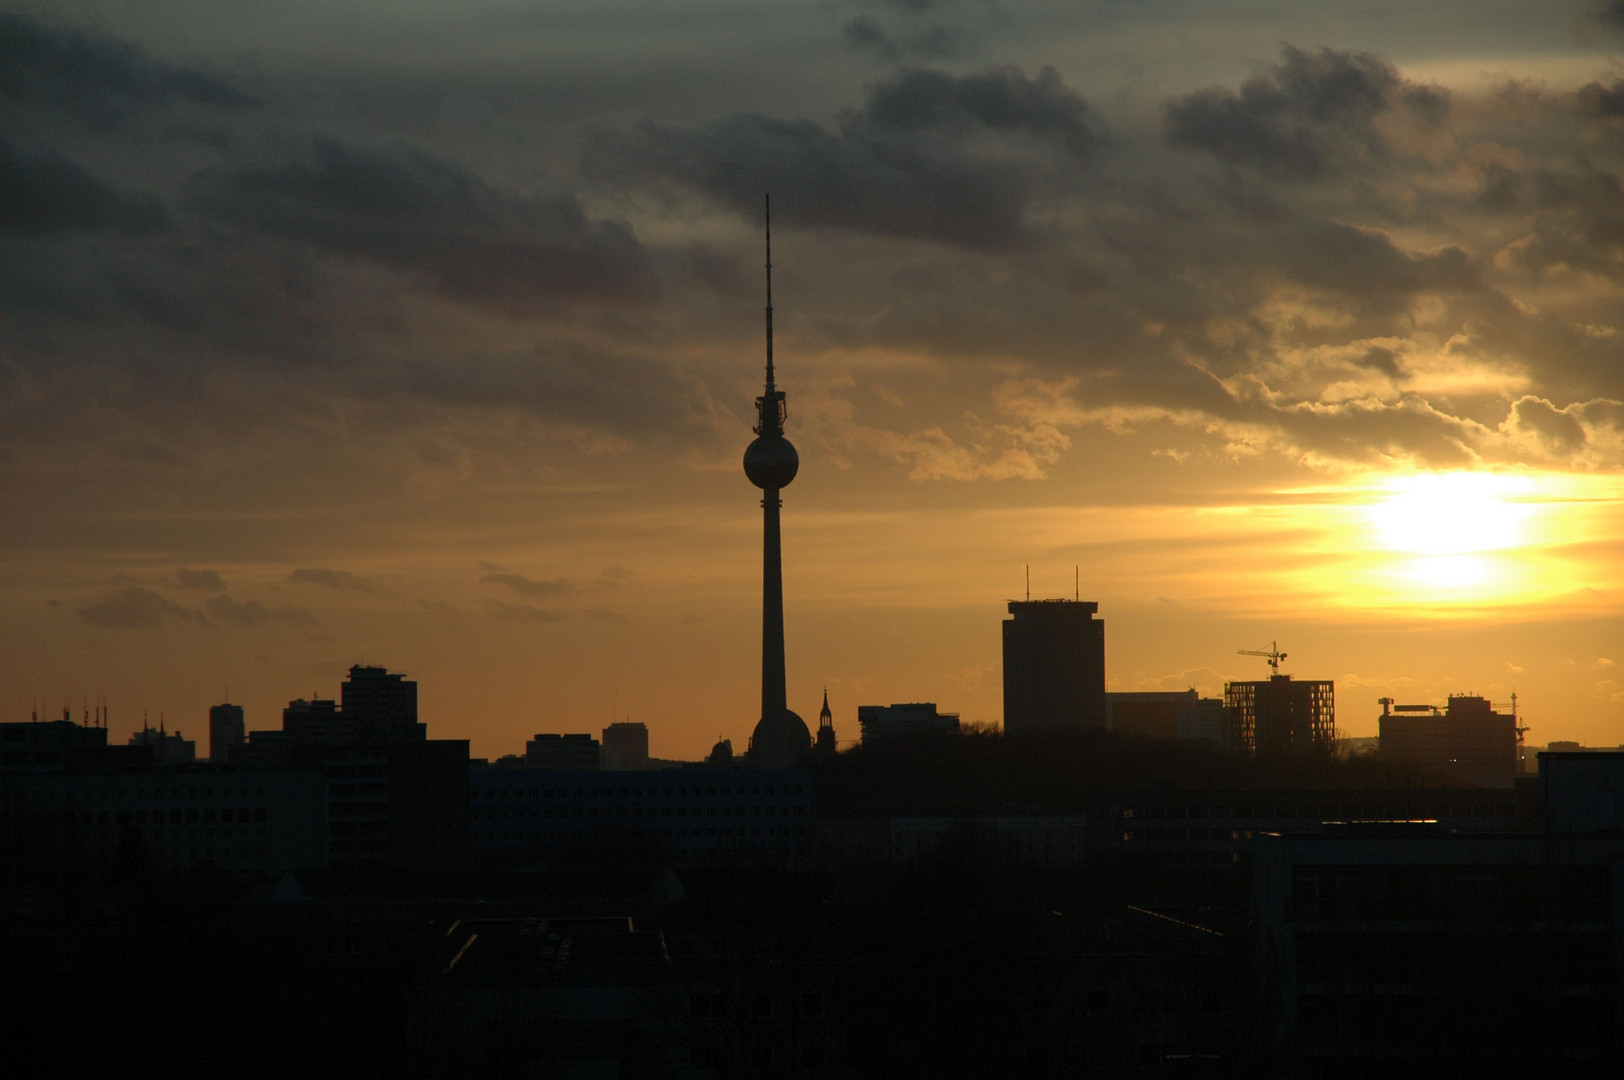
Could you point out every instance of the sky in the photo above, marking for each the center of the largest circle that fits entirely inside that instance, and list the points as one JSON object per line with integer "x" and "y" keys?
{"x": 427, "y": 335}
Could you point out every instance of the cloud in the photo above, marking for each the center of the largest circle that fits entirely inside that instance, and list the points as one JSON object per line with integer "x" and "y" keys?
{"x": 43, "y": 193}
{"x": 133, "y": 608}
{"x": 399, "y": 205}
{"x": 1608, "y": 14}
{"x": 1306, "y": 115}
{"x": 956, "y": 159}
{"x": 1599, "y": 102}
{"x": 496, "y": 609}
{"x": 602, "y": 615}
{"x": 252, "y": 613}
{"x": 613, "y": 577}
{"x": 528, "y": 587}
{"x": 100, "y": 81}
{"x": 1558, "y": 432}
{"x": 893, "y": 30}
{"x": 200, "y": 580}
{"x": 338, "y": 580}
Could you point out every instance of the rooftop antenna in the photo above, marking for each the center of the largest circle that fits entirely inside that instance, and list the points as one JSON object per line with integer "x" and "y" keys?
{"x": 1028, "y": 581}
{"x": 1076, "y": 583}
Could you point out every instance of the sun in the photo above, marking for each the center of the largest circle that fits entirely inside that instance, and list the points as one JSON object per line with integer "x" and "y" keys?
{"x": 1452, "y": 514}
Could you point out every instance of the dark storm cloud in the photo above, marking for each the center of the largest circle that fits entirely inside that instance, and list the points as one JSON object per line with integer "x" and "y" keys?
{"x": 1308, "y": 114}
{"x": 923, "y": 43}
{"x": 199, "y": 580}
{"x": 43, "y": 193}
{"x": 894, "y": 30}
{"x": 133, "y": 608}
{"x": 1577, "y": 217}
{"x": 1365, "y": 265}
{"x": 1598, "y": 102}
{"x": 1608, "y": 14}
{"x": 630, "y": 394}
{"x": 404, "y": 207}
{"x": 528, "y": 586}
{"x": 98, "y": 80}
{"x": 955, "y": 159}
{"x": 328, "y": 578}
{"x": 252, "y": 613}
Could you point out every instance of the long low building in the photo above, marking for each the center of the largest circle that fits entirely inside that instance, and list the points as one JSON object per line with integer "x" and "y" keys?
{"x": 248, "y": 822}
{"x": 695, "y": 814}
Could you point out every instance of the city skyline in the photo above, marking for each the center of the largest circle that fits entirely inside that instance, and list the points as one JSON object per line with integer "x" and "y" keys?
{"x": 429, "y": 340}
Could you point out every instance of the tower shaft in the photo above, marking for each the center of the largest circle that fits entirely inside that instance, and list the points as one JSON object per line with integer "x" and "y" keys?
{"x": 774, "y": 694}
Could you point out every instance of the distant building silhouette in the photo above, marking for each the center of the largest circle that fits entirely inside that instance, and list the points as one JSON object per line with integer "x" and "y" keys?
{"x": 781, "y": 736}
{"x": 564, "y": 753}
{"x": 721, "y": 753}
{"x": 379, "y": 703}
{"x": 826, "y": 746}
{"x": 396, "y": 799}
{"x": 879, "y": 722}
{"x": 625, "y": 747}
{"x": 1278, "y": 716}
{"x": 167, "y": 748}
{"x": 226, "y": 730}
{"x": 48, "y": 746}
{"x": 1467, "y": 738}
{"x": 1181, "y": 714}
{"x": 1054, "y": 666}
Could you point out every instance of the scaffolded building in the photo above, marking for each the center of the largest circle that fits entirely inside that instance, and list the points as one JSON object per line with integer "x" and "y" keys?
{"x": 1280, "y": 716}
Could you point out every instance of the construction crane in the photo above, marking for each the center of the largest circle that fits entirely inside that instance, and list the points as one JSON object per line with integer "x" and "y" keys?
{"x": 1272, "y": 654}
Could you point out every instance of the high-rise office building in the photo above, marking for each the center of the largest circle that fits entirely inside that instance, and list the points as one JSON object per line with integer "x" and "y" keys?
{"x": 781, "y": 737}
{"x": 625, "y": 747}
{"x": 1054, "y": 666}
{"x": 225, "y": 730}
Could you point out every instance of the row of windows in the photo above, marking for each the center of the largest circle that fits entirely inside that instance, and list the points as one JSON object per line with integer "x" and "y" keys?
{"x": 652, "y": 834}
{"x": 157, "y": 834}
{"x": 635, "y": 792}
{"x": 637, "y": 812}
{"x": 1319, "y": 811}
{"x": 157, "y": 817}
{"x": 1133, "y": 835}
{"x": 123, "y": 794}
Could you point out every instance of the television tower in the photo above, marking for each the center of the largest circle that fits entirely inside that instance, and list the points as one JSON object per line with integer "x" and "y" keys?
{"x": 771, "y": 463}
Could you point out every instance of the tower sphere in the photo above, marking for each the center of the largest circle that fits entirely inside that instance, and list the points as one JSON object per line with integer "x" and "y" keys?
{"x": 771, "y": 462}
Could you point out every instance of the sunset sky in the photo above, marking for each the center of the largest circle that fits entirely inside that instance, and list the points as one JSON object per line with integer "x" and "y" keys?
{"x": 427, "y": 334}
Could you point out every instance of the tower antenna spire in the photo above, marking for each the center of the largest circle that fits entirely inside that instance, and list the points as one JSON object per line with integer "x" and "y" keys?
{"x": 767, "y": 203}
